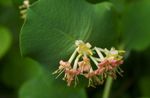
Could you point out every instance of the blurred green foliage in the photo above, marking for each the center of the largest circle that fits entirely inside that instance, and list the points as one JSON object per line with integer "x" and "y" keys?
{"x": 19, "y": 69}
{"x": 122, "y": 23}
{"x": 5, "y": 41}
{"x": 49, "y": 89}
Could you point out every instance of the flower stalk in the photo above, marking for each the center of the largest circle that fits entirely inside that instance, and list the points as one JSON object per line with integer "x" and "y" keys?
{"x": 107, "y": 88}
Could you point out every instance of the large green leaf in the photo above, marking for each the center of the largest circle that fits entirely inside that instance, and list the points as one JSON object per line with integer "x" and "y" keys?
{"x": 5, "y": 40}
{"x": 119, "y": 5}
{"x": 136, "y": 25}
{"x": 96, "y": 1}
{"x": 44, "y": 87}
{"x": 52, "y": 26}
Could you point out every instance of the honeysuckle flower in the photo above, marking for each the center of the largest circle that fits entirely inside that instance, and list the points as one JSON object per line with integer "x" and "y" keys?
{"x": 63, "y": 67}
{"x": 71, "y": 75}
{"x": 95, "y": 64}
{"x": 99, "y": 71}
{"x": 84, "y": 66}
{"x": 94, "y": 78}
{"x": 25, "y": 4}
{"x": 113, "y": 53}
{"x": 84, "y": 48}
{"x": 111, "y": 61}
{"x": 23, "y": 8}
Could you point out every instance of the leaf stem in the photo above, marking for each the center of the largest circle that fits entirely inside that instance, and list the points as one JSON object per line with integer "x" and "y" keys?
{"x": 107, "y": 88}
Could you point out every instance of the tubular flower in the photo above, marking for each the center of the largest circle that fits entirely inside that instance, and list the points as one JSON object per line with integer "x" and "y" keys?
{"x": 84, "y": 66}
{"x": 23, "y": 8}
{"x": 95, "y": 64}
{"x": 70, "y": 75}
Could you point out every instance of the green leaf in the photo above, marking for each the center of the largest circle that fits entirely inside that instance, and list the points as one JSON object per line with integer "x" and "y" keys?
{"x": 119, "y": 5}
{"x": 18, "y": 70}
{"x": 52, "y": 26}
{"x": 5, "y": 41}
{"x": 44, "y": 87}
{"x": 96, "y": 1}
{"x": 136, "y": 25}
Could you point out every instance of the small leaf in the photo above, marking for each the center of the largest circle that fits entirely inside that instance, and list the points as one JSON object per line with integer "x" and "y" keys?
{"x": 5, "y": 41}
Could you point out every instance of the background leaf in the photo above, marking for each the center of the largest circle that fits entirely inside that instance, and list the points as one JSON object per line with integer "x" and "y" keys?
{"x": 5, "y": 40}
{"x": 6, "y": 2}
{"x": 48, "y": 89}
{"x": 136, "y": 25}
{"x": 18, "y": 70}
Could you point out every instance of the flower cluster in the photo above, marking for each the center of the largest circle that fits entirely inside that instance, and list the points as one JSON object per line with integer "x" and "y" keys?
{"x": 24, "y": 8}
{"x": 95, "y": 64}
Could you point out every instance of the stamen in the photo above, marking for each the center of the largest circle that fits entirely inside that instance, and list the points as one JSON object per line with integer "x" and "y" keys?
{"x": 91, "y": 83}
{"x": 76, "y": 80}
{"x": 120, "y": 69}
{"x": 60, "y": 74}
{"x": 119, "y": 72}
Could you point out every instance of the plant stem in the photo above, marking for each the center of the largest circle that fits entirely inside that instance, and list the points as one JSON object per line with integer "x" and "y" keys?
{"x": 107, "y": 87}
